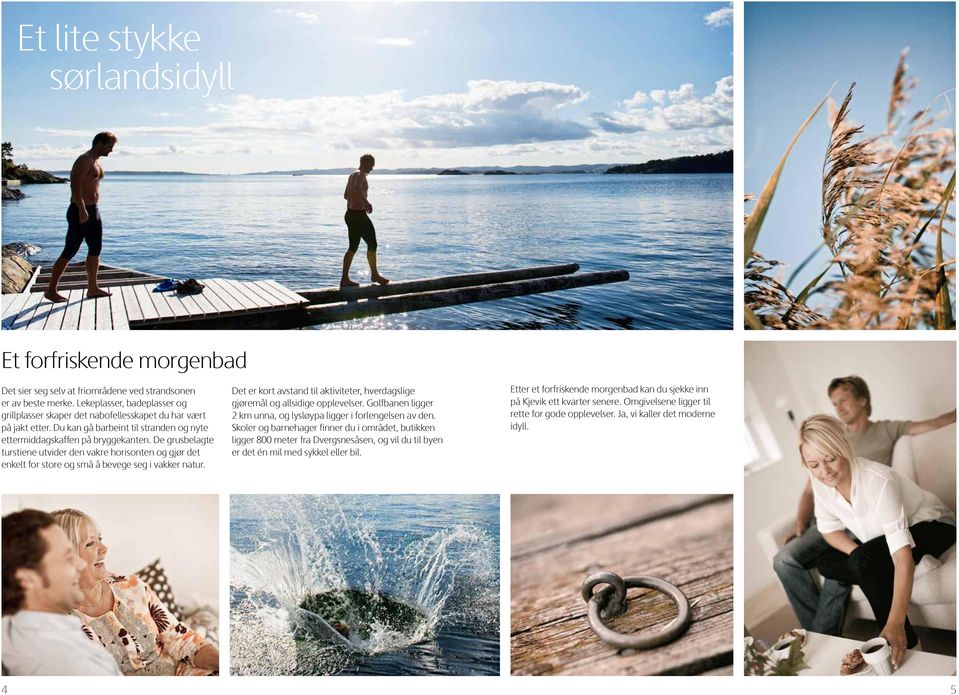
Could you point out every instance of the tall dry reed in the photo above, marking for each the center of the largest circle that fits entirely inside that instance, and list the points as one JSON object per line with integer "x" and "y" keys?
{"x": 884, "y": 213}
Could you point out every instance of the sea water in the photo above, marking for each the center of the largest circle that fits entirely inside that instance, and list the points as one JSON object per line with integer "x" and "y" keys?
{"x": 673, "y": 233}
{"x": 436, "y": 554}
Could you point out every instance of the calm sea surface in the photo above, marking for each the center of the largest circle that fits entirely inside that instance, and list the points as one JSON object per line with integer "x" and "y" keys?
{"x": 673, "y": 233}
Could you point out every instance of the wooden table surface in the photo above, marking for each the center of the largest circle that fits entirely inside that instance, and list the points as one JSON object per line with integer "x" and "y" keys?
{"x": 558, "y": 540}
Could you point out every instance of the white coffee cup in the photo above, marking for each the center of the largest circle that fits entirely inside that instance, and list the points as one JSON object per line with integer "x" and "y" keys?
{"x": 877, "y": 653}
{"x": 780, "y": 650}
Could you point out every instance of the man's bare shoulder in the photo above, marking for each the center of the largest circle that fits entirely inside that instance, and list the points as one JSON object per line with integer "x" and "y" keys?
{"x": 83, "y": 164}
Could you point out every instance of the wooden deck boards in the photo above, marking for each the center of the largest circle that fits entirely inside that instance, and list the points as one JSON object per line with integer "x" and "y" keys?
{"x": 558, "y": 540}
{"x": 133, "y": 304}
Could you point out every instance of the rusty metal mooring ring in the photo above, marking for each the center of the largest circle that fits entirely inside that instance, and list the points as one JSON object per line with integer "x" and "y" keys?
{"x": 611, "y": 601}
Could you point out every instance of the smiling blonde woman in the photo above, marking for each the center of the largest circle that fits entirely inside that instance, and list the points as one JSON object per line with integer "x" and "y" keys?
{"x": 125, "y": 615}
{"x": 879, "y": 525}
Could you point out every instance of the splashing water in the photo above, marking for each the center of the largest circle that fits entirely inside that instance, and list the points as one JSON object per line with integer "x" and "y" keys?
{"x": 320, "y": 585}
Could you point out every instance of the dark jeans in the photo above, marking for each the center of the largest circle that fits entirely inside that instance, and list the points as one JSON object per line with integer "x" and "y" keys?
{"x": 870, "y": 566}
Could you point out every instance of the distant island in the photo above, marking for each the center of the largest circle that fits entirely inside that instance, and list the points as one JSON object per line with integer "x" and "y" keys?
{"x": 719, "y": 163}
{"x": 452, "y": 172}
{"x": 499, "y": 172}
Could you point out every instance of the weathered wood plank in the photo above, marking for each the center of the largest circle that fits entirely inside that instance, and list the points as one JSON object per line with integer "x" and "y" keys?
{"x": 34, "y": 314}
{"x": 236, "y": 300}
{"x": 144, "y": 295}
{"x": 55, "y": 316}
{"x": 175, "y": 302}
{"x": 277, "y": 297}
{"x": 130, "y": 304}
{"x": 330, "y": 295}
{"x": 692, "y": 547}
{"x": 241, "y": 291}
{"x": 13, "y": 303}
{"x": 212, "y": 296}
{"x": 87, "y": 312}
{"x": 69, "y": 284}
{"x": 118, "y": 313}
{"x": 293, "y": 297}
{"x": 71, "y": 317}
{"x": 104, "y": 317}
{"x": 330, "y": 313}
{"x": 160, "y": 303}
{"x": 264, "y": 294}
{"x": 541, "y": 521}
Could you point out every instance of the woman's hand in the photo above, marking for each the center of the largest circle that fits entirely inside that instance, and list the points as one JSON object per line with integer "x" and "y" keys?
{"x": 797, "y": 531}
{"x": 208, "y": 657}
{"x": 895, "y": 635}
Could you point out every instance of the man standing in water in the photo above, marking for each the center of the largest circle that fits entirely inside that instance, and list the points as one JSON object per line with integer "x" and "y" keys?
{"x": 358, "y": 222}
{"x": 83, "y": 217}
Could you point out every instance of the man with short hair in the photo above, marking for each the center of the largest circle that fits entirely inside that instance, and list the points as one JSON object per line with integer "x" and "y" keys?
{"x": 83, "y": 218}
{"x": 358, "y": 222}
{"x": 41, "y": 575}
{"x": 824, "y": 610}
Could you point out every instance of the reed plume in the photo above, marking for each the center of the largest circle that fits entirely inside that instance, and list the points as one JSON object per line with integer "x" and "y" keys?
{"x": 884, "y": 213}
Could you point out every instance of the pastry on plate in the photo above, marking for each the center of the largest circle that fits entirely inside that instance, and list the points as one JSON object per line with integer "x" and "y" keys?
{"x": 852, "y": 664}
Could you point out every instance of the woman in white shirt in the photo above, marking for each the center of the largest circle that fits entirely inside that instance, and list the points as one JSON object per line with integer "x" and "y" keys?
{"x": 878, "y": 523}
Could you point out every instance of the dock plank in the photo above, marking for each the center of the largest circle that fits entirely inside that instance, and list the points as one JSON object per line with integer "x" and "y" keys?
{"x": 240, "y": 290}
{"x": 688, "y": 543}
{"x": 237, "y": 302}
{"x": 212, "y": 296}
{"x": 88, "y": 308}
{"x": 55, "y": 314}
{"x": 276, "y": 295}
{"x": 204, "y": 305}
{"x": 175, "y": 302}
{"x": 71, "y": 317}
{"x": 104, "y": 317}
{"x": 292, "y": 297}
{"x": 144, "y": 295}
{"x": 118, "y": 313}
{"x": 130, "y": 304}
{"x": 133, "y": 304}
{"x": 264, "y": 294}
{"x": 13, "y": 303}
{"x": 34, "y": 314}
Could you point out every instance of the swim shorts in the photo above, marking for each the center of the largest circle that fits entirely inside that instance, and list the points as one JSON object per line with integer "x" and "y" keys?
{"x": 361, "y": 227}
{"x": 90, "y": 232}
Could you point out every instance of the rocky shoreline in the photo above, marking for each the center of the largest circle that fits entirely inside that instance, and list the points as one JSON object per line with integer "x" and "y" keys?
{"x": 17, "y": 270}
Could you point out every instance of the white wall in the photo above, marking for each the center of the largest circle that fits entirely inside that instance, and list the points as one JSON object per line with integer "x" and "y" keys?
{"x": 907, "y": 380}
{"x": 181, "y": 530}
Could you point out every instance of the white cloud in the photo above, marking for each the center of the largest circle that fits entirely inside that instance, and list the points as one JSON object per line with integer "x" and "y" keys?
{"x": 721, "y": 17}
{"x": 394, "y": 42}
{"x": 486, "y": 114}
{"x": 678, "y": 109}
{"x": 311, "y": 18}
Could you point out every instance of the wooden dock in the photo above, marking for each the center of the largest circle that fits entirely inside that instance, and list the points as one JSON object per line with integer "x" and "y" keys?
{"x": 134, "y": 305}
{"x": 559, "y": 540}
{"x": 264, "y": 304}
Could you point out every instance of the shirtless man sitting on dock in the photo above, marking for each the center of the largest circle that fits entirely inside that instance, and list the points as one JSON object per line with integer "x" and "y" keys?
{"x": 359, "y": 224}
{"x": 83, "y": 218}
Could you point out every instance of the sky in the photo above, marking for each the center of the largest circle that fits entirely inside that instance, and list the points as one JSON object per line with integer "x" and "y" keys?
{"x": 794, "y": 53}
{"x": 419, "y": 85}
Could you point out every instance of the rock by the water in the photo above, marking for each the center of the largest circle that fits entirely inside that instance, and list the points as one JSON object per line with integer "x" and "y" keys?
{"x": 13, "y": 194}
{"x": 26, "y": 175}
{"x": 21, "y": 248}
{"x": 452, "y": 172}
{"x": 16, "y": 270}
